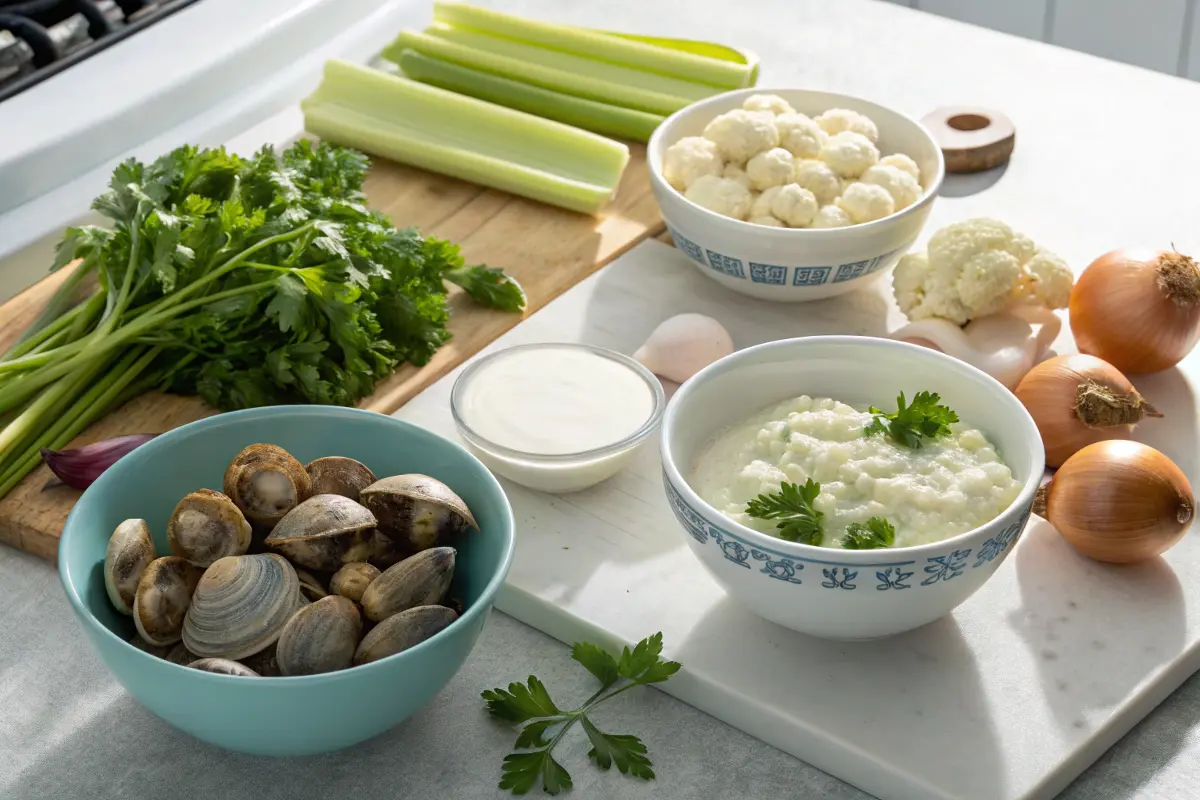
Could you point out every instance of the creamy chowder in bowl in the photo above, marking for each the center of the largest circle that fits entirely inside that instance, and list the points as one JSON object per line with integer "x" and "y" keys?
{"x": 947, "y": 485}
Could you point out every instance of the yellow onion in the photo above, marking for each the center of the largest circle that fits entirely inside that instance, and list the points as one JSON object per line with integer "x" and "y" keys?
{"x": 1077, "y": 400}
{"x": 1118, "y": 501}
{"x": 1138, "y": 309}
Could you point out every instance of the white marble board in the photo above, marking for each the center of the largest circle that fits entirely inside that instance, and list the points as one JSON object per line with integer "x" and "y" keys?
{"x": 1009, "y": 698}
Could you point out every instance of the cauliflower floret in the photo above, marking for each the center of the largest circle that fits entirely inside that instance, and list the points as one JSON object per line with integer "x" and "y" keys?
{"x": 795, "y": 205}
{"x": 688, "y": 159}
{"x": 902, "y": 162}
{"x": 768, "y": 220}
{"x": 836, "y": 120}
{"x": 977, "y": 267}
{"x": 820, "y": 179}
{"x": 761, "y": 207}
{"x": 736, "y": 173}
{"x": 740, "y": 134}
{"x": 768, "y": 102}
{"x": 866, "y": 202}
{"x": 799, "y": 135}
{"x": 721, "y": 195}
{"x": 831, "y": 217}
{"x": 903, "y": 187}
{"x": 772, "y": 167}
{"x": 850, "y": 154}
{"x": 1049, "y": 279}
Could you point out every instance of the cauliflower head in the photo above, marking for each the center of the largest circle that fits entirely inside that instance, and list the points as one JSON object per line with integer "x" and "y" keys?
{"x": 722, "y": 195}
{"x": 850, "y": 154}
{"x": 903, "y": 187}
{"x": 820, "y": 179}
{"x": 902, "y": 162}
{"x": 741, "y": 134}
{"x": 769, "y": 168}
{"x": 799, "y": 135}
{"x": 866, "y": 202}
{"x": 831, "y": 217}
{"x": 768, "y": 220}
{"x": 978, "y": 267}
{"x": 836, "y": 120}
{"x": 761, "y": 207}
{"x": 795, "y": 205}
{"x": 735, "y": 173}
{"x": 690, "y": 158}
{"x": 768, "y": 102}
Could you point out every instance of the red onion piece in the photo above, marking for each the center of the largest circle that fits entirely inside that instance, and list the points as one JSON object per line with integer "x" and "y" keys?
{"x": 81, "y": 466}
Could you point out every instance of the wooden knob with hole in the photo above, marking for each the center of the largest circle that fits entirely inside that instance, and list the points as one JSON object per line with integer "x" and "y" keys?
{"x": 972, "y": 139}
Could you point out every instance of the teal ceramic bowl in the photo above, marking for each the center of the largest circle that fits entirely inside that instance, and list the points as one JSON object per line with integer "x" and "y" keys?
{"x": 299, "y": 715}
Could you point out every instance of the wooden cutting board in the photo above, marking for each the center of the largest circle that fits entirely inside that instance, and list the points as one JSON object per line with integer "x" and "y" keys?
{"x": 547, "y": 249}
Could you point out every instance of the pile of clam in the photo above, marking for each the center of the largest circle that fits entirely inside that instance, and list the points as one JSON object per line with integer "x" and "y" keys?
{"x": 292, "y": 570}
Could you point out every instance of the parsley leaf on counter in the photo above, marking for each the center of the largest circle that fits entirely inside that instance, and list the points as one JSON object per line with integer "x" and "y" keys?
{"x": 924, "y": 418}
{"x": 876, "y": 533}
{"x": 792, "y": 505}
{"x": 249, "y": 281}
{"x": 530, "y": 705}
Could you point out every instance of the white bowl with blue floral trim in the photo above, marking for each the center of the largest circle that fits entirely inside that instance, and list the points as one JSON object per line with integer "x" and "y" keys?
{"x": 794, "y": 264}
{"x": 829, "y": 592}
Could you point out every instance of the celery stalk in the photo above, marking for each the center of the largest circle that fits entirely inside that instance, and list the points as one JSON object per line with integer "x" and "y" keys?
{"x": 591, "y": 115}
{"x": 464, "y": 137}
{"x": 616, "y": 74}
{"x": 559, "y": 80}
{"x": 598, "y": 45}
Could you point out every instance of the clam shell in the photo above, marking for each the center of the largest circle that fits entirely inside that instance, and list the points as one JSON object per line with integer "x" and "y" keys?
{"x": 223, "y": 666}
{"x": 324, "y": 532}
{"x": 338, "y": 475}
{"x": 414, "y": 513}
{"x": 240, "y": 606}
{"x": 163, "y": 597}
{"x": 266, "y": 482}
{"x": 311, "y": 587}
{"x": 401, "y": 631}
{"x": 353, "y": 579}
{"x": 205, "y": 526}
{"x": 319, "y": 638}
{"x": 130, "y": 549}
{"x": 419, "y": 580}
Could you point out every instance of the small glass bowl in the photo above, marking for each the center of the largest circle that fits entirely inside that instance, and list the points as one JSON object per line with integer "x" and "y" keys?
{"x": 558, "y": 473}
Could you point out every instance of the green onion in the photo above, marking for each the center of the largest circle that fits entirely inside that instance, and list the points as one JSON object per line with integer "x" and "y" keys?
{"x": 591, "y": 115}
{"x": 641, "y": 53}
{"x": 464, "y": 137}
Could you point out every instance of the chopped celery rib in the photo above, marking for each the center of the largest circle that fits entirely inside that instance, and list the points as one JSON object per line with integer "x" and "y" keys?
{"x": 616, "y": 74}
{"x": 464, "y": 137}
{"x": 559, "y": 80}
{"x": 630, "y": 51}
{"x": 591, "y": 115}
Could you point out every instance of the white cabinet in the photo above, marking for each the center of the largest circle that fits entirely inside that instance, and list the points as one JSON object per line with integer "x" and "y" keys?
{"x": 1021, "y": 17}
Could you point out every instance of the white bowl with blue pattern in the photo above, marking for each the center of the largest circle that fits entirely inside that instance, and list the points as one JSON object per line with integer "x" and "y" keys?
{"x": 829, "y": 592}
{"x": 794, "y": 264}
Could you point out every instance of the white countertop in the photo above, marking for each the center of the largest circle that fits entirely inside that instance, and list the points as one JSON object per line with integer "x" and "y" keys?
{"x": 68, "y": 730}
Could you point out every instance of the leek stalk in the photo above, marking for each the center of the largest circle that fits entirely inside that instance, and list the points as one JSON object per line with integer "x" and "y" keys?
{"x": 610, "y": 120}
{"x": 464, "y": 137}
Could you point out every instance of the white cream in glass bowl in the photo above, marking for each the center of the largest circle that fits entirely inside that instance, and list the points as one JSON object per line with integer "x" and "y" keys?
{"x": 556, "y": 417}
{"x": 829, "y": 591}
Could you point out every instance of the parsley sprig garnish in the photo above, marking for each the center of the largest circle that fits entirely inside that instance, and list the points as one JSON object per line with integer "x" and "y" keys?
{"x": 792, "y": 505}
{"x": 924, "y": 418}
{"x": 876, "y": 533}
{"x": 530, "y": 705}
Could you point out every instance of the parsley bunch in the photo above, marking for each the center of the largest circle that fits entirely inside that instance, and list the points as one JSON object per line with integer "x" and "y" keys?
{"x": 248, "y": 281}
{"x": 792, "y": 505}
{"x": 530, "y": 705}
{"x": 924, "y": 418}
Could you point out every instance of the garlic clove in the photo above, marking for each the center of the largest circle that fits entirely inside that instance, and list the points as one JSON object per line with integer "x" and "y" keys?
{"x": 683, "y": 345}
{"x": 81, "y": 466}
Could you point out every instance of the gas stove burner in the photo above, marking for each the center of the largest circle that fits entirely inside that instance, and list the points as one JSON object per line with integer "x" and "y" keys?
{"x": 40, "y": 38}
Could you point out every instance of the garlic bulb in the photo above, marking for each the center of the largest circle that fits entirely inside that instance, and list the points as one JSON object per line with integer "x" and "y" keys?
{"x": 1004, "y": 345}
{"x": 683, "y": 345}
